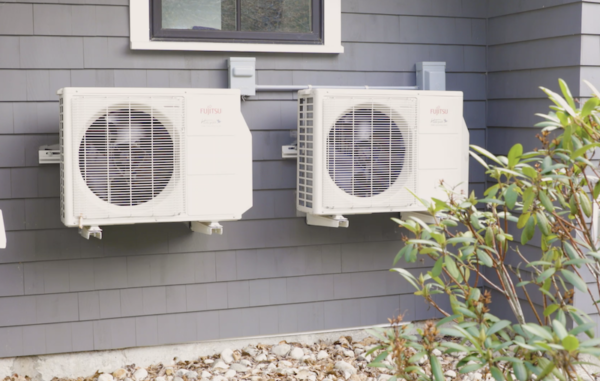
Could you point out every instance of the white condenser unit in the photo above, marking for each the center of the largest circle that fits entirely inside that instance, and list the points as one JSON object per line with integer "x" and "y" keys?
{"x": 133, "y": 156}
{"x": 365, "y": 151}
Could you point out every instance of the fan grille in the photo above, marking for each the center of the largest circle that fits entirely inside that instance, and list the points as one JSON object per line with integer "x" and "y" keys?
{"x": 128, "y": 154}
{"x": 369, "y": 150}
{"x": 126, "y": 157}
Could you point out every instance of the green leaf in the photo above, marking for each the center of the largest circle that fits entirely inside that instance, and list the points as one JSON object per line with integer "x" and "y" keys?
{"x": 528, "y": 232}
{"x": 514, "y": 155}
{"x": 479, "y": 159}
{"x": 451, "y": 267}
{"x": 497, "y": 327}
{"x": 567, "y": 93}
{"x": 559, "y": 101}
{"x": 545, "y": 200}
{"x": 596, "y": 192}
{"x": 445, "y": 320}
{"x": 575, "y": 280}
{"x": 570, "y": 250}
{"x": 520, "y": 371}
{"x": 497, "y": 374}
{"x": 437, "y": 268}
{"x": 486, "y": 153}
{"x": 543, "y": 223}
{"x": 436, "y": 368}
{"x": 537, "y": 331}
{"x": 510, "y": 196}
{"x": 570, "y": 343}
{"x": 463, "y": 239}
{"x": 586, "y": 204}
{"x": 470, "y": 368}
{"x": 550, "y": 309}
{"x": 523, "y": 220}
{"x": 547, "y": 369}
{"x": 528, "y": 197}
{"x": 579, "y": 152}
{"x": 589, "y": 106}
{"x": 546, "y": 274}
{"x": 529, "y": 172}
{"x": 559, "y": 329}
{"x": 484, "y": 258}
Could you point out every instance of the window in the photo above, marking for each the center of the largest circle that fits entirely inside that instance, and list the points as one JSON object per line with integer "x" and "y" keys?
{"x": 274, "y": 21}
{"x": 301, "y": 26}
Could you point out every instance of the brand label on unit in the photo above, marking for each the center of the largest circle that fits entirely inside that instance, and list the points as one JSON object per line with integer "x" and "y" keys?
{"x": 438, "y": 116}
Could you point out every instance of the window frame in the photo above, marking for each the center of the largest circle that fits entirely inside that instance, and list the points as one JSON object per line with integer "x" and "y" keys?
{"x": 314, "y": 37}
{"x": 141, "y": 35}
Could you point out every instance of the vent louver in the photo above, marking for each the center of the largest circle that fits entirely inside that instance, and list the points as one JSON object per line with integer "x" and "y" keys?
{"x": 305, "y": 151}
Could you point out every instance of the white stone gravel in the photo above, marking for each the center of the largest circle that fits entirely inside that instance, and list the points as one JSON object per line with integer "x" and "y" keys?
{"x": 340, "y": 360}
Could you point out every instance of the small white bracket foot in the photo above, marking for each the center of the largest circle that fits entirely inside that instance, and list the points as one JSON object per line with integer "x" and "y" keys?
{"x": 90, "y": 231}
{"x": 209, "y": 228}
{"x": 335, "y": 221}
{"x": 425, "y": 217}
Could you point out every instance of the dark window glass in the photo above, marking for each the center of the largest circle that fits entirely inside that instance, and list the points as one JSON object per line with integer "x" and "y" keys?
{"x": 284, "y": 21}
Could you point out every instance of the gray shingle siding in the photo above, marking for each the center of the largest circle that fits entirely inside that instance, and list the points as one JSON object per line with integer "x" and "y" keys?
{"x": 160, "y": 283}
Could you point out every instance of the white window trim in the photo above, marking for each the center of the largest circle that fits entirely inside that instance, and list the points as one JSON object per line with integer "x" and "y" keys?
{"x": 139, "y": 21}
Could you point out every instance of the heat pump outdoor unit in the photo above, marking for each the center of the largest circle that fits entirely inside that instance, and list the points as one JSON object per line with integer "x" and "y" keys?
{"x": 133, "y": 156}
{"x": 365, "y": 151}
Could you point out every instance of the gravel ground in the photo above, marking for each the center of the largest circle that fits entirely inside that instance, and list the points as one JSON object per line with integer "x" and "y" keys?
{"x": 342, "y": 360}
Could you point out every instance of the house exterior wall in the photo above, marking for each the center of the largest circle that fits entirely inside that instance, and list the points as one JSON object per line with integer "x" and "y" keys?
{"x": 530, "y": 44}
{"x": 158, "y": 284}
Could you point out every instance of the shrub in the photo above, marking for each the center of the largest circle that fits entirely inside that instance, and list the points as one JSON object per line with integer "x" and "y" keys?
{"x": 551, "y": 190}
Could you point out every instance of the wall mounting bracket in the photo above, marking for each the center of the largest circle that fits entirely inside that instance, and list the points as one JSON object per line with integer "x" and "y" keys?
{"x": 49, "y": 154}
{"x": 208, "y": 228}
{"x": 425, "y": 217}
{"x": 334, "y": 221}
{"x": 289, "y": 152}
{"x": 90, "y": 231}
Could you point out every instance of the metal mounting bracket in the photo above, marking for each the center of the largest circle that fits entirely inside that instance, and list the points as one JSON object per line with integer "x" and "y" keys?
{"x": 207, "y": 227}
{"x": 289, "y": 152}
{"x": 2, "y": 233}
{"x": 90, "y": 231}
{"x": 49, "y": 154}
{"x": 425, "y": 217}
{"x": 334, "y": 221}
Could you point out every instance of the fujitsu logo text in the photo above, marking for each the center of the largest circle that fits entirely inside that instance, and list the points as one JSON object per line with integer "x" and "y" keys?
{"x": 438, "y": 111}
{"x": 210, "y": 110}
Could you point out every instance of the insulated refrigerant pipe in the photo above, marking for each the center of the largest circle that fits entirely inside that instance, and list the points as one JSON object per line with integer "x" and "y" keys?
{"x": 305, "y": 87}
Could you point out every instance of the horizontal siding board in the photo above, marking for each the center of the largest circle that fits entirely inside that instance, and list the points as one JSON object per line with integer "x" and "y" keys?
{"x": 589, "y": 19}
{"x": 526, "y": 83}
{"x": 590, "y": 51}
{"x": 441, "y": 8}
{"x": 500, "y": 140}
{"x": 9, "y": 46}
{"x": 412, "y": 29}
{"x": 535, "y": 54}
{"x": 16, "y": 19}
{"x": 113, "y": 52}
{"x": 51, "y": 52}
{"x": 541, "y": 23}
{"x": 516, "y": 112}
{"x": 501, "y": 8}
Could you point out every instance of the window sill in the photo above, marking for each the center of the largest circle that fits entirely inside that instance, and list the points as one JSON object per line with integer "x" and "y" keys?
{"x": 234, "y": 47}
{"x": 140, "y": 35}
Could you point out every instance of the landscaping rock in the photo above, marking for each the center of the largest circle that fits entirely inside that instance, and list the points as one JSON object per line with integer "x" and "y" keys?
{"x": 105, "y": 377}
{"x": 281, "y": 350}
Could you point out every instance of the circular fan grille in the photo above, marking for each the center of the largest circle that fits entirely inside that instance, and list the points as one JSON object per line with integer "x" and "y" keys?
{"x": 366, "y": 152}
{"x": 126, "y": 157}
